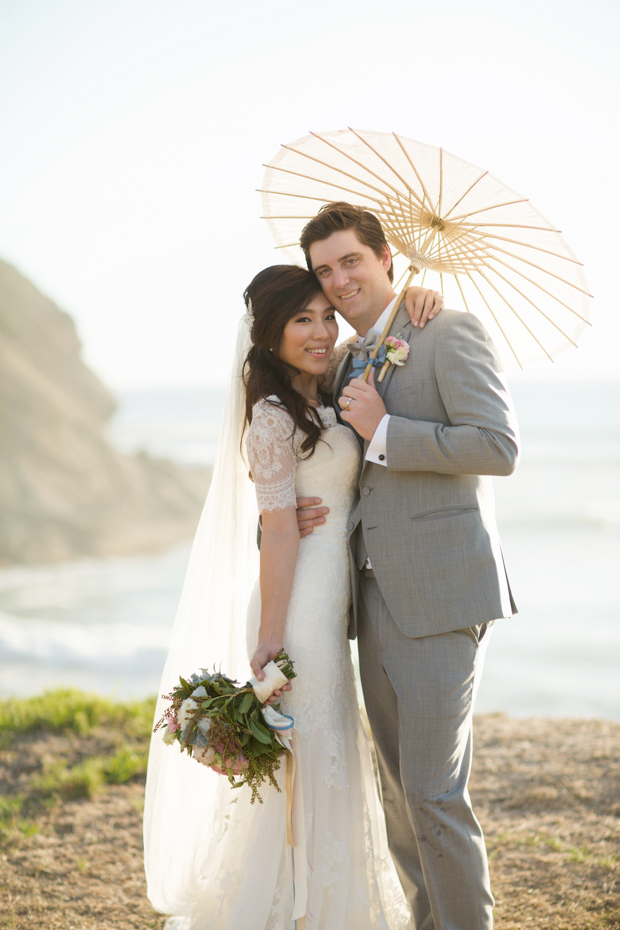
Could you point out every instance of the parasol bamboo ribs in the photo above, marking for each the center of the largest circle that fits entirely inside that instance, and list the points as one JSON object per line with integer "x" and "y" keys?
{"x": 388, "y": 325}
{"x": 445, "y": 217}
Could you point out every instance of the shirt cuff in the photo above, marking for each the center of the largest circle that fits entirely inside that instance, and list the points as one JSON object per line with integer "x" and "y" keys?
{"x": 377, "y": 450}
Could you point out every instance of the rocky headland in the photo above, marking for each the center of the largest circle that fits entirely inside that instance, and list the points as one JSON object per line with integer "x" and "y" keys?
{"x": 65, "y": 490}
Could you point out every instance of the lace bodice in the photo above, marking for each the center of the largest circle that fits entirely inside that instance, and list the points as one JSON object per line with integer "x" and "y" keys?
{"x": 277, "y": 462}
{"x": 315, "y": 631}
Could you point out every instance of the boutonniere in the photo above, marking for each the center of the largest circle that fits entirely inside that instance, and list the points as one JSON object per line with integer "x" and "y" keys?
{"x": 396, "y": 352}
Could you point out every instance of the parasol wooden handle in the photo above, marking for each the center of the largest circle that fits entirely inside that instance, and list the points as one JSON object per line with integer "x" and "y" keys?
{"x": 388, "y": 325}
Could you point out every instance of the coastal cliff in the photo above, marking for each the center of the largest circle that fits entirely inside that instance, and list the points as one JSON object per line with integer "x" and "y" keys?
{"x": 65, "y": 490}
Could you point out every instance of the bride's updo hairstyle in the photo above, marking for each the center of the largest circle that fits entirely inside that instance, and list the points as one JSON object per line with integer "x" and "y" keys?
{"x": 273, "y": 297}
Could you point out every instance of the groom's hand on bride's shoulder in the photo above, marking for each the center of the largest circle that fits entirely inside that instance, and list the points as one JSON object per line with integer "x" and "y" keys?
{"x": 422, "y": 305}
{"x": 309, "y": 514}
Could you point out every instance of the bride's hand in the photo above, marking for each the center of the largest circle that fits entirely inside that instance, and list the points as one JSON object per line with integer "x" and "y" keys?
{"x": 422, "y": 304}
{"x": 265, "y": 653}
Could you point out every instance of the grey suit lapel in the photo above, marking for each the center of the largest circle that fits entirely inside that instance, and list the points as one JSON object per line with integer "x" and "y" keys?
{"x": 341, "y": 374}
{"x": 401, "y": 327}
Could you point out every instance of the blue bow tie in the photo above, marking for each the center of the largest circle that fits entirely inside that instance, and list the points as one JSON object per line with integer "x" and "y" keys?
{"x": 358, "y": 366}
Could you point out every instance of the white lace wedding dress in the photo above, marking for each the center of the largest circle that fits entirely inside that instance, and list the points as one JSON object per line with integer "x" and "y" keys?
{"x": 351, "y": 882}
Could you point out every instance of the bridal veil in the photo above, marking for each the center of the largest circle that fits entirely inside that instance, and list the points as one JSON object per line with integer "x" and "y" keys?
{"x": 182, "y": 814}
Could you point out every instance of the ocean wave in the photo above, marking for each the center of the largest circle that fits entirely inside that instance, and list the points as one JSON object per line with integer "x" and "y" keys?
{"x": 69, "y": 645}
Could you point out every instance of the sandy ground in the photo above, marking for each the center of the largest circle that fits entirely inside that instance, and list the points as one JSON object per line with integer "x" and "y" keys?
{"x": 547, "y": 793}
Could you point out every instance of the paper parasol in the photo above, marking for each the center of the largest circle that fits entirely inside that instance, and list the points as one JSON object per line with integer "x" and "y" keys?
{"x": 486, "y": 248}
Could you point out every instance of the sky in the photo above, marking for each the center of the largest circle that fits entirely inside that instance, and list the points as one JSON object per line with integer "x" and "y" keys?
{"x": 133, "y": 136}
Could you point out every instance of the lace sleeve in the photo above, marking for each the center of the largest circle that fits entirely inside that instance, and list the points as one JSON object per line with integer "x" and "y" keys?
{"x": 272, "y": 457}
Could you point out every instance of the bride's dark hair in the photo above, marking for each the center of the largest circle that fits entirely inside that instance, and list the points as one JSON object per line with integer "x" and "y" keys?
{"x": 274, "y": 296}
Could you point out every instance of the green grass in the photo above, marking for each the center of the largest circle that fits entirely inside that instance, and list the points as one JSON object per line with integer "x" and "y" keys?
{"x": 12, "y": 819}
{"x": 569, "y": 851}
{"x": 69, "y": 710}
{"x": 111, "y": 748}
{"x": 88, "y": 777}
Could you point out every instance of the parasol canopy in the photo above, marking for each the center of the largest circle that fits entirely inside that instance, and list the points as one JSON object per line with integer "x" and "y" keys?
{"x": 486, "y": 248}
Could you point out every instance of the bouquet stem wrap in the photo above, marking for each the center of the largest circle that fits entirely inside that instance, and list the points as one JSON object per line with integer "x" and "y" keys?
{"x": 274, "y": 679}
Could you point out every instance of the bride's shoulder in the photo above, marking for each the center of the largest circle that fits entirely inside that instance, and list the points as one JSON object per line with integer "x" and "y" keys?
{"x": 270, "y": 417}
{"x": 271, "y": 406}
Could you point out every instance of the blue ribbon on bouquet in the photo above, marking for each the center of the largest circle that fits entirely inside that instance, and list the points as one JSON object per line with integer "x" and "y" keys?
{"x": 284, "y": 727}
{"x": 358, "y": 366}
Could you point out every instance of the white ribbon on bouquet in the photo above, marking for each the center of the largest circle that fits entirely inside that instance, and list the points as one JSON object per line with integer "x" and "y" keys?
{"x": 284, "y": 727}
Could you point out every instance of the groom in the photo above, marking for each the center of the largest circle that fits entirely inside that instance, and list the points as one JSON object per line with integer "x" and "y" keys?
{"x": 428, "y": 576}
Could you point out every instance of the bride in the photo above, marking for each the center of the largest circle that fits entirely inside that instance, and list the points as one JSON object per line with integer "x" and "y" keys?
{"x": 214, "y": 860}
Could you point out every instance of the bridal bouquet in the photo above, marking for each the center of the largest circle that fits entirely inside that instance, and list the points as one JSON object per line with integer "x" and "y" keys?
{"x": 225, "y": 727}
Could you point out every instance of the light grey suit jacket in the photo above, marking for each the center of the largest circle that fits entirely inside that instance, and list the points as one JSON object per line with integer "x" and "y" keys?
{"x": 427, "y": 521}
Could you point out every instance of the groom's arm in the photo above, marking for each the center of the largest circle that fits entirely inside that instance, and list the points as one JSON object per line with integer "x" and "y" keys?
{"x": 482, "y": 437}
{"x": 423, "y": 304}
{"x": 309, "y": 514}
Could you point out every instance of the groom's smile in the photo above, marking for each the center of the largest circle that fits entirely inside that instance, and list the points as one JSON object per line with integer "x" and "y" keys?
{"x": 354, "y": 279}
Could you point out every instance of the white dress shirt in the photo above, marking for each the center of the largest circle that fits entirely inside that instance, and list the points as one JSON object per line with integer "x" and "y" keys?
{"x": 377, "y": 449}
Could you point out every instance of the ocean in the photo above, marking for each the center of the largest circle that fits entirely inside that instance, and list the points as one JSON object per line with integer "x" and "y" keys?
{"x": 103, "y": 624}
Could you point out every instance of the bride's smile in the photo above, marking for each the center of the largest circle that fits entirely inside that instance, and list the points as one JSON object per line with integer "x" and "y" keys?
{"x": 308, "y": 341}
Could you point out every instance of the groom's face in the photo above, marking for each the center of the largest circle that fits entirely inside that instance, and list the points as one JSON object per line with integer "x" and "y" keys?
{"x": 353, "y": 278}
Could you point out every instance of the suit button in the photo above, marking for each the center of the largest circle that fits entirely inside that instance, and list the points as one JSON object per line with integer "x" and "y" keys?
{"x": 365, "y": 491}
{"x": 382, "y": 457}
{"x": 350, "y": 526}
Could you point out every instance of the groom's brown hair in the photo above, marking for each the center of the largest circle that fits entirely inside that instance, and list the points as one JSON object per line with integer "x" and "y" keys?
{"x": 339, "y": 216}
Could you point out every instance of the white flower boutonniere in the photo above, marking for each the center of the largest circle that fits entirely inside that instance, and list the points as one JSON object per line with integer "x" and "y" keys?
{"x": 396, "y": 353}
